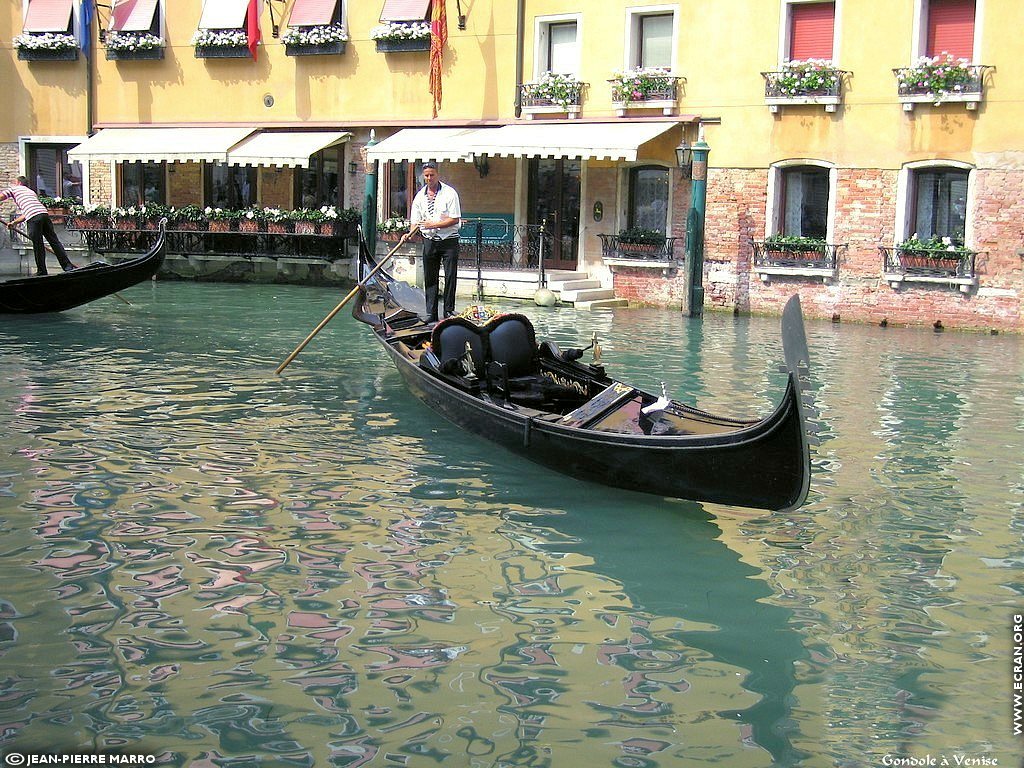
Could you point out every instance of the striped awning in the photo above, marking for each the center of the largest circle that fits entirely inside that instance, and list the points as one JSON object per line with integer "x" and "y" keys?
{"x": 621, "y": 141}
{"x": 223, "y": 14}
{"x": 132, "y": 15}
{"x": 284, "y": 148}
{"x": 416, "y": 144}
{"x": 586, "y": 141}
{"x": 48, "y": 16}
{"x": 160, "y": 145}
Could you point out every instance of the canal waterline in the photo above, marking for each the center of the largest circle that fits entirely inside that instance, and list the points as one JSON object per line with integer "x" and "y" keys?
{"x": 214, "y": 565}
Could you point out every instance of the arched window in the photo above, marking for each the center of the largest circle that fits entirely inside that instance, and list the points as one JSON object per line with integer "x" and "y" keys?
{"x": 938, "y": 199}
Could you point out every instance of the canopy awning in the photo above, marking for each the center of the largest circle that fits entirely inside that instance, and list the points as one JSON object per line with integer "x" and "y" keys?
{"x": 284, "y": 149}
{"x": 132, "y": 15}
{"x": 224, "y": 14}
{"x": 587, "y": 141}
{"x": 440, "y": 144}
{"x": 156, "y": 145}
{"x": 48, "y": 16}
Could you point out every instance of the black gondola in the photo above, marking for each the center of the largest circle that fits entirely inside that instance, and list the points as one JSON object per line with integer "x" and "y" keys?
{"x": 496, "y": 381}
{"x": 64, "y": 290}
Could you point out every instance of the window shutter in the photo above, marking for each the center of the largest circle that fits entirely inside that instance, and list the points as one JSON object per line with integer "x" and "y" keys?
{"x": 951, "y": 28}
{"x": 309, "y": 13}
{"x": 812, "y": 26}
{"x": 132, "y": 15}
{"x": 405, "y": 10}
{"x": 48, "y": 16}
{"x": 224, "y": 14}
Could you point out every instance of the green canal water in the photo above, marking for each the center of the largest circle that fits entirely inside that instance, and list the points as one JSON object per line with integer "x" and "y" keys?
{"x": 209, "y": 565}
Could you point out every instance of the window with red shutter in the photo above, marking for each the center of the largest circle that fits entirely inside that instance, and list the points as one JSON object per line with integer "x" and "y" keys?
{"x": 951, "y": 28}
{"x": 311, "y": 13}
{"x": 133, "y": 15}
{"x": 811, "y": 30}
{"x": 48, "y": 16}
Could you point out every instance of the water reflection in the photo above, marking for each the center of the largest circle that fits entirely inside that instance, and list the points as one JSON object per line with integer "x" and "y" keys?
{"x": 210, "y": 564}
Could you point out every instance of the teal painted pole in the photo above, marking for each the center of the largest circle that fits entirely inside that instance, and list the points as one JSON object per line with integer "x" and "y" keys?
{"x": 370, "y": 197}
{"x": 695, "y": 225}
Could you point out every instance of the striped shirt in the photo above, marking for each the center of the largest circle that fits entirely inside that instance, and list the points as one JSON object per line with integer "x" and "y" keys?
{"x": 26, "y": 200}
{"x": 443, "y": 204}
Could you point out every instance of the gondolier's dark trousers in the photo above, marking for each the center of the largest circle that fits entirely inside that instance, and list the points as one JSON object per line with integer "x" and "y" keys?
{"x": 435, "y": 254}
{"x": 37, "y": 228}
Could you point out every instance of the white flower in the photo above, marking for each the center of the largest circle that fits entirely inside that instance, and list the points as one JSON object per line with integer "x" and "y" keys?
{"x": 47, "y": 41}
{"x": 317, "y": 35}
{"x": 204, "y": 38}
{"x": 401, "y": 30}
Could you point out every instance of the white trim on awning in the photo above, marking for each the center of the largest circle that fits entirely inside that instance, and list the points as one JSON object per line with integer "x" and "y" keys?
{"x": 587, "y": 141}
{"x": 156, "y": 145}
{"x": 439, "y": 144}
{"x": 284, "y": 149}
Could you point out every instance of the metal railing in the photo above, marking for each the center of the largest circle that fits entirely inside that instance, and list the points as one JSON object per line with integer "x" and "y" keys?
{"x": 528, "y": 98}
{"x": 658, "y": 88}
{"x": 498, "y": 245}
{"x": 797, "y": 257}
{"x": 197, "y": 243}
{"x": 777, "y": 85}
{"x": 972, "y": 86}
{"x": 613, "y": 247}
{"x": 905, "y": 261}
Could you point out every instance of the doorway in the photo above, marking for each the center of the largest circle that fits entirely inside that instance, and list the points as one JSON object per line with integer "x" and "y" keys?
{"x": 554, "y": 200}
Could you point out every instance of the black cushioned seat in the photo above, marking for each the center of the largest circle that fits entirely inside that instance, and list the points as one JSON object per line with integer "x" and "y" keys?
{"x": 449, "y": 338}
{"x": 512, "y": 342}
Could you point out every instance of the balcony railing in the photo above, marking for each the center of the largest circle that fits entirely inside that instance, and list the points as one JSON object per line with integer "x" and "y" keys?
{"x": 784, "y": 87}
{"x": 536, "y": 100}
{"x": 935, "y": 264}
{"x": 612, "y": 247}
{"x": 819, "y": 262}
{"x": 651, "y": 92}
{"x": 913, "y": 89}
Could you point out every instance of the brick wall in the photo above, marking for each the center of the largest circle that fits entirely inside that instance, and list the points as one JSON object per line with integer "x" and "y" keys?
{"x": 865, "y": 217}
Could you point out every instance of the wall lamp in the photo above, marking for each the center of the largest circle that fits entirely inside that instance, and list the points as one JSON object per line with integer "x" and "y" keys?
{"x": 352, "y": 167}
{"x": 684, "y": 157}
{"x": 481, "y": 165}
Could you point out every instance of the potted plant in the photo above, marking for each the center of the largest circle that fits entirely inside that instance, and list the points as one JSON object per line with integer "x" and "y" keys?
{"x": 795, "y": 244}
{"x": 89, "y": 216}
{"x": 939, "y": 78}
{"x": 553, "y": 89}
{"x": 935, "y": 252}
{"x": 134, "y": 45}
{"x": 315, "y": 40}
{"x": 640, "y": 241}
{"x": 306, "y": 220}
{"x": 221, "y": 219}
{"x": 810, "y": 77}
{"x": 221, "y": 44}
{"x": 401, "y": 36}
{"x": 46, "y": 46}
{"x": 188, "y": 218}
{"x": 125, "y": 218}
{"x": 392, "y": 229}
{"x": 251, "y": 220}
{"x": 278, "y": 221}
{"x": 151, "y": 213}
{"x": 643, "y": 84}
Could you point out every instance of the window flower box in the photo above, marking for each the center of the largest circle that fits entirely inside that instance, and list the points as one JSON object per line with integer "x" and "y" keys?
{"x": 637, "y": 244}
{"x": 401, "y": 36}
{"x": 814, "y": 81}
{"x": 795, "y": 256}
{"x": 553, "y": 93}
{"x": 129, "y": 45}
{"x": 315, "y": 49}
{"x": 320, "y": 40}
{"x": 651, "y": 88}
{"x": 48, "y": 46}
{"x": 936, "y": 260}
{"x": 221, "y": 44}
{"x": 940, "y": 80}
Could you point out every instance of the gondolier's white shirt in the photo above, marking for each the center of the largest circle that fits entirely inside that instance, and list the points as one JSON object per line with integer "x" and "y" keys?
{"x": 446, "y": 204}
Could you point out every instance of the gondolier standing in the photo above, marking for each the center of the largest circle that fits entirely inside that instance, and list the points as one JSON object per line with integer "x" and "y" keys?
{"x": 437, "y": 214}
{"x": 38, "y": 223}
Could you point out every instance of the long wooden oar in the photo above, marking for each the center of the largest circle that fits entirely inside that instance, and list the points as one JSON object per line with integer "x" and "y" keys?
{"x": 24, "y": 234}
{"x": 337, "y": 309}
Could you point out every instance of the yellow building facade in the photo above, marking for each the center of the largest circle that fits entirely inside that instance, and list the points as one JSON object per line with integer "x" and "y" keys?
{"x": 819, "y": 177}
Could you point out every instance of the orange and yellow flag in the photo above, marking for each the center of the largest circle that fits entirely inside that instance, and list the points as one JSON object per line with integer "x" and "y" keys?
{"x": 438, "y": 39}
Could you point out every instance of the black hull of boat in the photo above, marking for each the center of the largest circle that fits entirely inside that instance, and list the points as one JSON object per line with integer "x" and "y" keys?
{"x": 65, "y": 290}
{"x": 764, "y": 465}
